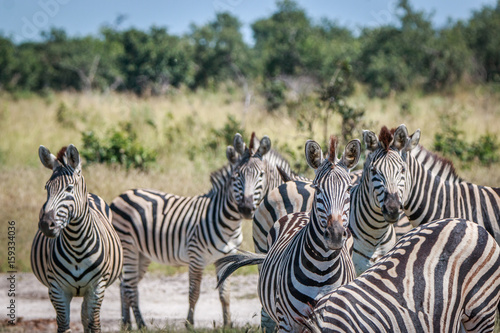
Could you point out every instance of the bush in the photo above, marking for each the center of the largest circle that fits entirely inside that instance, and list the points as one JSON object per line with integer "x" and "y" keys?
{"x": 221, "y": 138}
{"x": 119, "y": 146}
{"x": 451, "y": 143}
{"x": 274, "y": 91}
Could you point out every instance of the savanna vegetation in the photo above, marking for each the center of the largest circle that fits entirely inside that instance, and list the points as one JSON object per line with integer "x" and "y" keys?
{"x": 152, "y": 109}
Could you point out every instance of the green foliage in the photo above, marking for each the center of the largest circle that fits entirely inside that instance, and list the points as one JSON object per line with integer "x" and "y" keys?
{"x": 152, "y": 62}
{"x": 288, "y": 44}
{"x": 219, "y": 51}
{"x": 274, "y": 93}
{"x": 483, "y": 38}
{"x": 451, "y": 142}
{"x": 333, "y": 96}
{"x": 119, "y": 146}
{"x": 222, "y": 137}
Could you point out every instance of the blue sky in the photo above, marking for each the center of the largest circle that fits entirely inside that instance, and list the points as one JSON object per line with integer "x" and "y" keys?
{"x": 23, "y": 20}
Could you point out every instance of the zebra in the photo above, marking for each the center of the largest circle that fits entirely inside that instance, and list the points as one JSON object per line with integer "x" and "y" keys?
{"x": 261, "y": 174}
{"x": 312, "y": 251}
{"x": 443, "y": 276}
{"x": 184, "y": 231}
{"x": 426, "y": 196}
{"x": 75, "y": 251}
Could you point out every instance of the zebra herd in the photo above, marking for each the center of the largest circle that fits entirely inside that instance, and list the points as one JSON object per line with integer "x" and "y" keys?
{"x": 328, "y": 250}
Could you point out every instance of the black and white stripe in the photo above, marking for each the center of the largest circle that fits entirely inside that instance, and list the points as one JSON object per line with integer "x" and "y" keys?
{"x": 376, "y": 202}
{"x": 443, "y": 276}
{"x": 428, "y": 189}
{"x": 174, "y": 230}
{"x": 312, "y": 251}
{"x": 76, "y": 252}
{"x": 257, "y": 172}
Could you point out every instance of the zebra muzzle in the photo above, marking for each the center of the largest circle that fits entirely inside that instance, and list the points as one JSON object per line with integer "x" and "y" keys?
{"x": 246, "y": 207}
{"x": 335, "y": 233}
{"x": 391, "y": 209}
{"x": 47, "y": 224}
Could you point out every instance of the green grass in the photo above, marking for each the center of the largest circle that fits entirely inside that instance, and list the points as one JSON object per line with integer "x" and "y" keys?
{"x": 178, "y": 127}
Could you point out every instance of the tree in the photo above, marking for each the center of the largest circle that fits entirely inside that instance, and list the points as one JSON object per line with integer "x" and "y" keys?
{"x": 281, "y": 40}
{"x": 219, "y": 51}
{"x": 7, "y": 58}
{"x": 483, "y": 38}
{"x": 152, "y": 62}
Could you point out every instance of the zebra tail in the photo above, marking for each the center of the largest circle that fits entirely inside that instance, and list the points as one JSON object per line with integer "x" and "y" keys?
{"x": 228, "y": 264}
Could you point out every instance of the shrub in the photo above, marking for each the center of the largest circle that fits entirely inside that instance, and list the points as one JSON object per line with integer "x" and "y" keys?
{"x": 451, "y": 143}
{"x": 119, "y": 146}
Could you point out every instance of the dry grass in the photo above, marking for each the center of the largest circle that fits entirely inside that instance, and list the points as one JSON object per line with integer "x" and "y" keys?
{"x": 27, "y": 123}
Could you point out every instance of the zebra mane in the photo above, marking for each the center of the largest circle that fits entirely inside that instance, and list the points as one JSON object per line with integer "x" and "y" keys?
{"x": 60, "y": 155}
{"x": 332, "y": 154}
{"x": 220, "y": 177}
{"x": 439, "y": 162}
{"x": 386, "y": 136}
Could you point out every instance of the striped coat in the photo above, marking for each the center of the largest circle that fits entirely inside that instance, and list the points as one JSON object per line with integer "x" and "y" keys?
{"x": 174, "y": 230}
{"x": 441, "y": 277}
{"x": 76, "y": 252}
{"x": 311, "y": 254}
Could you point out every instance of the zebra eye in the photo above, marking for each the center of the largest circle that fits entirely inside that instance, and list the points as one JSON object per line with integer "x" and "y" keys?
{"x": 373, "y": 170}
{"x": 403, "y": 169}
{"x": 69, "y": 188}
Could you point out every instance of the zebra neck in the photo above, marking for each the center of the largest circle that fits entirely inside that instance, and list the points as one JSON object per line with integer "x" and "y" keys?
{"x": 79, "y": 233}
{"x": 366, "y": 220}
{"x": 223, "y": 220}
{"x": 314, "y": 249}
{"x": 430, "y": 194}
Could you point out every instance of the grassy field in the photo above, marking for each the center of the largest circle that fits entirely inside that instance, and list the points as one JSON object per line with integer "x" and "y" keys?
{"x": 178, "y": 128}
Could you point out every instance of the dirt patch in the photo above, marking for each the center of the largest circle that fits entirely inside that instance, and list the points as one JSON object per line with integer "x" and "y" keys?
{"x": 163, "y": 300}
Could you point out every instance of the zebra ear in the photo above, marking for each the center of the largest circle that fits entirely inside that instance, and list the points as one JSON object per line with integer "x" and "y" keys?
{"x": 352, "y": 151}
{"x": 265, "y": 145}
{"x": 400, "y": 137}
{"x": 314, "y": 155}
{"x": 414, "y": 140}
{"x": 48, "y": 160}
{"x": 232, "y": 155}
{"x": 370, "y": 139}
{"x": 238, "y": 144}
{"x": 73, "y": 158}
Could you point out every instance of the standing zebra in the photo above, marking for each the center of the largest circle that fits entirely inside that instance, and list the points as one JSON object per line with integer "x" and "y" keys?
{"x": 423, "y": 195}
{"x": 184, "y": 231}
{"x": 296, "y": 196}
{"x": 440, "y": 277}
{"x": 76, "y": 252}
{"x": 261, "y": 173}
{"x": 312, "y": 252}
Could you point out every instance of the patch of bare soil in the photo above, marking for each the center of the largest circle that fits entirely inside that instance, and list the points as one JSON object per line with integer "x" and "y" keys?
{"x": 163, "y": 301}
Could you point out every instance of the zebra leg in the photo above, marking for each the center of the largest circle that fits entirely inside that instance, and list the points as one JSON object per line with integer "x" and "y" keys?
{"x": 134, "y": 267}
{"x": 224, "y": 291}
{"x": 61, "y": 301}
{"x": 126, "y": 321}
{"x": 91, "y": 308}
{"x": 195, "y": 275}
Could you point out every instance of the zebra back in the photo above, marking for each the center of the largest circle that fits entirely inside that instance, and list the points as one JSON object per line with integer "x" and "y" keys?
{"x": 172, "y": 229}
{"x": 437, "y": 277}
